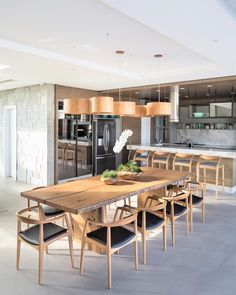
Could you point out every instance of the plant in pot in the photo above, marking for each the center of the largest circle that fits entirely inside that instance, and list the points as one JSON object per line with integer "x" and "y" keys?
{"x": 129, "y": 170}
{"x": 109, "y": 177}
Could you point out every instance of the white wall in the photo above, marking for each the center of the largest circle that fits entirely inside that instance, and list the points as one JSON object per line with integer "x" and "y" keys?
{"x": 35, "y": 132}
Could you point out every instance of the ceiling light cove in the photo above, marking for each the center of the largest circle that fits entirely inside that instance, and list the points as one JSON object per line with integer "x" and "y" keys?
{"x": 3, "y": 67}
{"x": 64, "y": 58}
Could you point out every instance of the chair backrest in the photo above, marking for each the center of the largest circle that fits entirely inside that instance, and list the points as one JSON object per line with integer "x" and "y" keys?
{"x": 156, "y": 154}
{"x": 22, "y": 215}
{"x": 210, "y": 158}
{"x": 140, "y": 155}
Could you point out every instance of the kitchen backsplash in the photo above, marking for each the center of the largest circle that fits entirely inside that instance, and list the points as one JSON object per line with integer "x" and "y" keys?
{"x": 208, "y": 137}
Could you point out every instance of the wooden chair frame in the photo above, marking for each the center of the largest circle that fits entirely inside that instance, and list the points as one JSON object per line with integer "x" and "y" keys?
{"x": 70, "y": 155}
{"x": 159, "y": 209}
{"x": 174, "y": 198}
{"x": 137, "y": 156}
{"x": 188, "y": 165}
{"x": 192, "y": 187}
{"x": 219, "y": 166}
{"x": 42, "y": 244}
{"x": 160, "y": 162}
{"x": 107, "y": 248}
{"x": 61, "y": 152}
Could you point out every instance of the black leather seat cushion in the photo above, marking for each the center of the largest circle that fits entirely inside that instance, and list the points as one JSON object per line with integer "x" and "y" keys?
{"x": 178, "y": 209}
{"x": 119, "y": 236}
{"x": 51, "y": 211}
{"x": 152, "y": 220}
{"x": 50, "y": 231}
{"x": 196, "y": 200}
{"x": 169, "y": 186}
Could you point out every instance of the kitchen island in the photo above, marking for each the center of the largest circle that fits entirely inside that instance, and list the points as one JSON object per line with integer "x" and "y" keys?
{"x": 227, "y": 154}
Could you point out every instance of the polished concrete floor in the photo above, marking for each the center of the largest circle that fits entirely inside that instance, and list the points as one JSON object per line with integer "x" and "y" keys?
{"x": 203, "y": 263}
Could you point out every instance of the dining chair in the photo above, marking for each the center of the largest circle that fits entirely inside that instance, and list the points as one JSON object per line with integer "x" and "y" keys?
{"x": 48, "y": 211}
{"x": 196, "y": 198}
{"x": 149, "y": 218}
{"x": 177, "y": 206}
{"x": 110, "y": 237}
{"x": 42, "y": 232}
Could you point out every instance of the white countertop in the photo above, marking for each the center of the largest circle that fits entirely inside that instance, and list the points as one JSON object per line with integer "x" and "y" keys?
{"x": 224, "y": 153}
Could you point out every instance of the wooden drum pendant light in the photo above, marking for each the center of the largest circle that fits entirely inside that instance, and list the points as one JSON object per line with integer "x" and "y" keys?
{"x": 140, "y": 111}
{"x": 77, "y": 106}
{"x": 102, "y": 105}
{"x": 124, "y": 108}
{"x": 158, "y": 108}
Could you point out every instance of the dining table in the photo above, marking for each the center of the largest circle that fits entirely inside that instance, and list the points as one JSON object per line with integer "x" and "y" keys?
{"x": 88, "y": 197}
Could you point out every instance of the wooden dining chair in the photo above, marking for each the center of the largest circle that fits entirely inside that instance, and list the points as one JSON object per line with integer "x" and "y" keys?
{"x": 111, "y": 237}
{"x": 42, "y": 232}
{"x": 185, "y": 161}
{"x": 196, "y": 198}
{"x": 177, "y": 206}
{"x": 149, "y": 218}
{"x": 48, "y": 211}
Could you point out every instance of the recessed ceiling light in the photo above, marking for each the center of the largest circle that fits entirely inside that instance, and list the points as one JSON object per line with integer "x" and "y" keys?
{"x": 3, "y": 67}
{"x": 182, "y": 88}
{"x": 209, "y": 86}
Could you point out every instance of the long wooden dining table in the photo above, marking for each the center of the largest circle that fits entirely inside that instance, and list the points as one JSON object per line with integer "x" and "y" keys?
{"x": 88, "y": 197}
{"x": 88, "y": 194}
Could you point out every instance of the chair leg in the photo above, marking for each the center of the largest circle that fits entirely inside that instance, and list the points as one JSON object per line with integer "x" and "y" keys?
{"x": 173, "y": 229}
{"x": 82, "y": 255}
{"x": 144, "y": 245}
{"x": 164, "y": 237}
{"x": 71, "y": 250}
{"x": 47, "y": 250}
{"x": 223, "y": 179}
{"x": 204, "y": 174}
{"x": 18, "y": 253}
{"x": 191, "y": 218}
{"x": 40, "y": 264}
{"x": 203, "y": 212}
{"x": 217, "y": 182}
{"x": 187, "y": 226}
{"x": 109, "y": 269}
{"x": 136, "y": 254}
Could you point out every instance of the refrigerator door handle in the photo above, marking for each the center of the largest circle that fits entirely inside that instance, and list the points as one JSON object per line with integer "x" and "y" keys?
{"x": 104, "y": 137}
{"x": 108, "y": 137}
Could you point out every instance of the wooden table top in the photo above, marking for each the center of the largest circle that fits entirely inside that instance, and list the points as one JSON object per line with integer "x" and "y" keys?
{"x": 88, "y": 194}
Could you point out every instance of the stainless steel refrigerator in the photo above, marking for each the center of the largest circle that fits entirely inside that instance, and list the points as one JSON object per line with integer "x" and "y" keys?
{"x": 104, "y": 138}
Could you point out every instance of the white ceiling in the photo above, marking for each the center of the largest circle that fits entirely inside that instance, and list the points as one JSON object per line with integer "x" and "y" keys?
{"x": 65, "y": 41}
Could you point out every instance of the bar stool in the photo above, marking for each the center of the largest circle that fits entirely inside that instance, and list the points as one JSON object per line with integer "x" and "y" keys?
{"x": 61, "y": 152}
{"x": 141, "y": 156}
{"x": 212, "y": 163}
{"x": 160, "y": 158}
{"x": 184, "y": 160}
{"x": 70, "y": 155}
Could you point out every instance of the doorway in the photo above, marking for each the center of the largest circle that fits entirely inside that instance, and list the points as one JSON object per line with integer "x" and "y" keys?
{"x": 9, "y": 136}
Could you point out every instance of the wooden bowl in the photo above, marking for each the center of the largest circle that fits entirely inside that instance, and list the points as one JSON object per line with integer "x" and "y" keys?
{"x": 109, "y": 181}
{"x": 126, "y": 175}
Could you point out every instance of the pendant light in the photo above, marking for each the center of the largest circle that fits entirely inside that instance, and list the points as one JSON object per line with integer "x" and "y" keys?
{"x": 77, "y": 106}
{"x": 103, "y": 104}
{"x": 158, "y": 108}
{"x": 123, "y": 108}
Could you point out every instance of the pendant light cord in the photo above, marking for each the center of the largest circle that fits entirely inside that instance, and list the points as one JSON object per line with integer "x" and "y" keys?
{"x": 107, "y": 62}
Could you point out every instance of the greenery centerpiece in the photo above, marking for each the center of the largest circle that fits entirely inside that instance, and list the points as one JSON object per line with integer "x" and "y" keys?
{"x": 129, "y": 170}
{"x": 109, "y": 177}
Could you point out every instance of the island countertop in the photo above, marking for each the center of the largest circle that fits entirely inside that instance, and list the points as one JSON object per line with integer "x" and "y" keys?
{"x": 195, "y": 150}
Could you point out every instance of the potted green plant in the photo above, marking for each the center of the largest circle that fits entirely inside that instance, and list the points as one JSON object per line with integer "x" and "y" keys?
{"x": 109, "y": 177}
{"x": 129, "y": 170}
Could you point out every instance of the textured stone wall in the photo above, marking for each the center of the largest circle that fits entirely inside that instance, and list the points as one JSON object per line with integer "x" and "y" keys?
{"x": 35, "y": 132}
